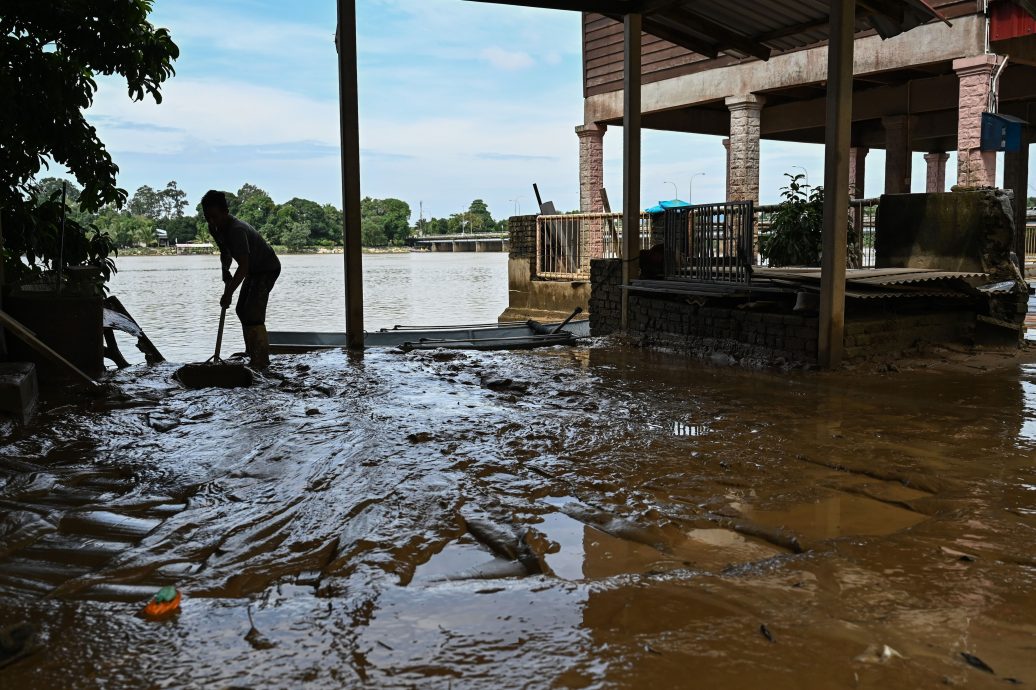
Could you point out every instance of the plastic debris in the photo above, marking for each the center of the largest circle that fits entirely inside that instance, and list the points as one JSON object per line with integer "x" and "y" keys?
{"x": 165, "y": 602}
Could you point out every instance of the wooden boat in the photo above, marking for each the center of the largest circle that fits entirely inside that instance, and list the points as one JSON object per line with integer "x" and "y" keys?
{"x": 498, "y": 336}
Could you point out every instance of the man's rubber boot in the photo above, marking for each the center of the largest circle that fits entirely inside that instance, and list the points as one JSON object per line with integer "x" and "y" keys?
{"x": 248, "y": 345}
{"x": 258, "y": 347}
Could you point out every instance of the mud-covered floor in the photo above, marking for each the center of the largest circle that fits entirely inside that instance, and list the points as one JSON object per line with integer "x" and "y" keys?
{"x": 595, "y": 517}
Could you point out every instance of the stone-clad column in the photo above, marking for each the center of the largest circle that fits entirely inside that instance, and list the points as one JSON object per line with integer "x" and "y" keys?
{"x": 591, "y": 166}
{"x": 897, "y": 153}
{"x": 935, "y": 179}
{"x": 975, "y": 168}
{"x": 743, "y": 168}
{"x": 591, "y": 180}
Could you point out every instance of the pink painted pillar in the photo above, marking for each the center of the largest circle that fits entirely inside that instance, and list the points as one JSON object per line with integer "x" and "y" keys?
{"x": 743, "y": 168}
{"x": 591, "y": 180}
{"x": 975, "y": 168}
{"x": 935, "y": 179}
{"x": 897, "y": 153}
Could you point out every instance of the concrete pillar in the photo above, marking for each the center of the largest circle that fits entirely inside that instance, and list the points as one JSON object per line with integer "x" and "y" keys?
{"x": 897, "y": 153}
{"x": 857, "y": 176}
{"x": 1016, "y": 178}
{"x": 975, "y": 168}
{"x": 591, "y": 181}
{"x": 591, "y": 166}
{"x": 726, "y": 184}
{"x": 935, "y": 178}
{"x": 743, "y": 153}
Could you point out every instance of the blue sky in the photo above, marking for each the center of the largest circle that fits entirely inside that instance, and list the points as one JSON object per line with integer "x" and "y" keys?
{"x": 459, "y": 100}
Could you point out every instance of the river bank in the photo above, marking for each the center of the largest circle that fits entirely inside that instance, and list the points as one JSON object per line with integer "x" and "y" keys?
{"x": 281, "y": 251}
{"x": 582, "y": 517}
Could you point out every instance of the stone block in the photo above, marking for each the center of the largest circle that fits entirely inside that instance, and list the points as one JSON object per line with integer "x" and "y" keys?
{"x": 18, "y": 389}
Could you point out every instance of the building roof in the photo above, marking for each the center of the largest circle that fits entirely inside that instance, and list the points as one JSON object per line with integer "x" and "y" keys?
{"x": 741, "y": 28}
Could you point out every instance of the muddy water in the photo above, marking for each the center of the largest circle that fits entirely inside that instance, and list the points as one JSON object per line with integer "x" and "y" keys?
{"x": 596, "y": 517}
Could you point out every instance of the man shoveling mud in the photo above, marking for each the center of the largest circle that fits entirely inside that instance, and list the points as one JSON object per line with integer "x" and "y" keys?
{"x": 257, "y": 271}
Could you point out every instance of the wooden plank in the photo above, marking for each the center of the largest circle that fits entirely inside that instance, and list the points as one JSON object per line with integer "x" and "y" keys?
{"x": 830, "y": 344}
{"x": 349, "y": 114}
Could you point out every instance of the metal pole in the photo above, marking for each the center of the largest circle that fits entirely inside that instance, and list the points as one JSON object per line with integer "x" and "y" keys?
{"x": 690, "y": 187}
{"x": 349, "y": 114}
{"x": 676, "y": 192}
{"x": 836, "y": 182}
{"x": 630, "y": 156}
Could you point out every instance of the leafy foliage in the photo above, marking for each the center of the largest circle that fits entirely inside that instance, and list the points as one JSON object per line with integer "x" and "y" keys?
{"x": 50, "y": 55}
{"x": 33, "y": 243}
{"x": 795, "y": 237}
{"x": 384, "y": 222}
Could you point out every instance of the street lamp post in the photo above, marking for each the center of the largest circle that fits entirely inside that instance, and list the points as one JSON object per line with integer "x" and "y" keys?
{"x": 690, "y": 187}
{"x": 804, "y": 172}
{"x": 676, "y": 192}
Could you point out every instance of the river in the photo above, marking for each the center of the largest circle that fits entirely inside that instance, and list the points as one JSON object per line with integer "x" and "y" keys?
{"x": 176, "y": 298}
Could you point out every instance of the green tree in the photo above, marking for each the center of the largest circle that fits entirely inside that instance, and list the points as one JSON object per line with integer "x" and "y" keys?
{"x": 172, "y": 201}
{"x": 255, "y": 206}
{"x": 333, "y": 221}
{"x": 478, "y": 218}
{"x": 50, "y": 187}
{"x": 50, "y": 55}
{"x": 384, "y": 221}
{"x": 146, "y": 202}
{"x": 295, "y": 236}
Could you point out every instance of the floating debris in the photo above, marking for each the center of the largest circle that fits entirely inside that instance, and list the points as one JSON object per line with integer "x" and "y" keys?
{"x": 165, "y": 603}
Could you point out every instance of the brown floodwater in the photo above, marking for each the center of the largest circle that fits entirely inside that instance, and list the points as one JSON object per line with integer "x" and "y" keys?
{"x": 593, "y": 517}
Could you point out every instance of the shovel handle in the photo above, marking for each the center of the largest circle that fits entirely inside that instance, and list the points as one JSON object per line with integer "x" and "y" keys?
{"x": 219, "y": 336}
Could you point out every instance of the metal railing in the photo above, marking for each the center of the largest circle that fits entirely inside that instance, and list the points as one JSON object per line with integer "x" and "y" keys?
{"x": 566, "y": 243}
{"x": 1030, "y": 243}
{"x": 710, "y": 242}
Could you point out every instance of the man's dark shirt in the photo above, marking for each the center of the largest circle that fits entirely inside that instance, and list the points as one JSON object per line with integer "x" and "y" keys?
{"x": 241, "y": 239}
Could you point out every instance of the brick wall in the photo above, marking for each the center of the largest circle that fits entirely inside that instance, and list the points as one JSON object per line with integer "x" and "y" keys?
{"x": 522, "y": 230}
{"x": 706, "y": 326}
{"x": 605, "y": 296}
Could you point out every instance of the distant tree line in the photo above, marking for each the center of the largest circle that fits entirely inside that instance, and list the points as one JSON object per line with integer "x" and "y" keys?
{"x": 294, "y": 225}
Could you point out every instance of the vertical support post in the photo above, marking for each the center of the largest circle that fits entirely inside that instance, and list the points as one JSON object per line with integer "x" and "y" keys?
{"x": 836, "y": 182}
{"x": 975, "y": 167}
{"x": 1016, "y": 178}
{"x": 3, "y": 341}
{"x": 349, "y": 115}
{"x": 630, "y": 156}
{"x": 897, "y": 154}
{"x": 935, "y": 177}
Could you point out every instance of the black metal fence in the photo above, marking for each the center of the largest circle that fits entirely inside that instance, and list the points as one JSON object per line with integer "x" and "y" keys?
{"x": 710, "y": 242}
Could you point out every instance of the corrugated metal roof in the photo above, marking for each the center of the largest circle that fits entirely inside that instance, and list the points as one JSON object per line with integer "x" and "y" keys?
{"x": 873, "y": 277}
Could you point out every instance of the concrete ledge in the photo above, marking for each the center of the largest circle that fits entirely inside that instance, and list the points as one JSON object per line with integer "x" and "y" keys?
{"x": 18, "y": 390}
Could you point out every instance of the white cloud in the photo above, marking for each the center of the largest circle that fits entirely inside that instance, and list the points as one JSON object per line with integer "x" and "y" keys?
{"x": 507, "y": 59}
{"x": 223, "y": 113}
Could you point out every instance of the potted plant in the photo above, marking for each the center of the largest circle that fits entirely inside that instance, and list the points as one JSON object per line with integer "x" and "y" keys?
{"x": 795, "y": 236}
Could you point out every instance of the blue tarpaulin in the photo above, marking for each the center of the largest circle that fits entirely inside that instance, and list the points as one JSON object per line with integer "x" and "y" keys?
{"x": 663, "y": 205}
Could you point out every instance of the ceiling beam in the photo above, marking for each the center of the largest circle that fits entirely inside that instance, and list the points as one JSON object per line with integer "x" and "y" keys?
{"x": 651, "y": 26}
{"x": 722, "y": 35}
{"x": 619, "y": 7}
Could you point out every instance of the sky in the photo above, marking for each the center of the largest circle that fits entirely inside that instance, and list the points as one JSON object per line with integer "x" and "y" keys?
{"x": 458, "y": 101}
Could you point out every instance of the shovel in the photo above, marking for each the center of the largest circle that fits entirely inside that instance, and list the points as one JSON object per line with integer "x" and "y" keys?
{"x": 214, "y": 372}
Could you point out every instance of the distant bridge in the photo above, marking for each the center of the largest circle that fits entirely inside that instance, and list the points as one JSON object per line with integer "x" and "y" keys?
{"x": 471, "y": 242}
